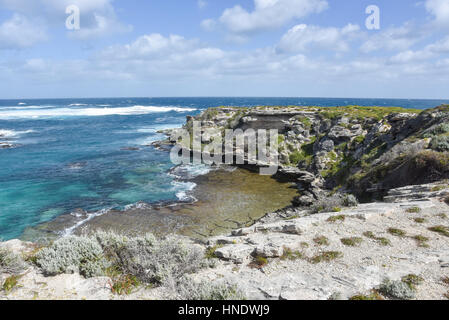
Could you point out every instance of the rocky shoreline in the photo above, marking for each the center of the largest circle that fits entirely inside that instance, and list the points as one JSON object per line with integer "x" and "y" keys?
{"x": 325, "y": 245}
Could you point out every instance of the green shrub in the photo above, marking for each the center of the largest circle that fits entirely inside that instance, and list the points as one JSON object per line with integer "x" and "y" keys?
{"x": 10, "y": 283}
{"x": 187, "y": 289}
{"x": 374, "y": 295}
{"x": 327, "y": 256}
{"x": 414, "y": 210}
{"x": 70, "y": 255}
{"x": 441, "y": 230}
{"x": 397, "y": 290}
{"x": 422, "y": 241}
{"x": 321, "y": 241}
{"x": 150, "y": 260}
{"x": 396, "y": 232}
{"x": 10, "y": 262}
{"x": 412, "y": 280}
{"x": 352, "y": 242}
{"x": 437, "y": 130}
{"x": 336, "y": 218}
{"x": 440, "y": 143}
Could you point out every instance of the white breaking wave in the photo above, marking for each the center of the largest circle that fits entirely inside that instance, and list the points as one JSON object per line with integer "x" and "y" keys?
{"x": 12, "y": 133}
{"x": 183, "y": 189}
{"x": 87, "y": 112}
{"x": 190, "y": 171}
{"x": 90, "y": 216}
{"x": 77, "y": 105}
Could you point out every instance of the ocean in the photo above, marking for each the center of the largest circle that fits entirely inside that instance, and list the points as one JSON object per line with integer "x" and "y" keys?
{"x": 93, "y": 154}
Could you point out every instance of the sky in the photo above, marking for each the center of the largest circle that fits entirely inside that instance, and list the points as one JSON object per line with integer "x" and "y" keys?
{"x": 276, "y": 48}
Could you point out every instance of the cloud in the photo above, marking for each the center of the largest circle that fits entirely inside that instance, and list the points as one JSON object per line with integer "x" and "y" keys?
{"x": 98, "y": 17}
{"x": 268, "y": 14}
{"x": 301, "y": 38}
{"x": 201, "y": 4}
{"x": 19, "y": 33}
{"x": 440, "y": 10}
{"x": 394, "y": 38}
{"x": 208, "y": 24}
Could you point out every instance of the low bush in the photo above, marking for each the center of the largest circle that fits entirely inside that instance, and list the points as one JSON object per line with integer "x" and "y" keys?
{"x": 334, "y": 203}
{"x": 10, "y": 283}
{"x": 397, "y": 290}
{"x": 150, "y": 260}
{"x": 440, "y": 143}
{"x": 187, "y": 289}
{"x": 70, "y": 255}
{"x": 11, "y": 263}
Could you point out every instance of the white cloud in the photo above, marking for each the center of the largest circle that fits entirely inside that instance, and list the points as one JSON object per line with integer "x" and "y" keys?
{"x": 411, "y": 56}
{"x": 18, "y": 33}
{"x": 208, "y": 24}
{"x": 150, "y": 47}
{"x": 268, "y": 14}
{"x": 394, "y": 38}
{"x": 98, "y": 17}
{"x": 201, "y": 4}
{"x": 301, "y": 37}
{"x": 440, "y": 10}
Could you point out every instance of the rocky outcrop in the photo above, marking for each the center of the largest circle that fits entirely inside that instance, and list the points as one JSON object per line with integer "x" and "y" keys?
{"x": 363, "y": 150}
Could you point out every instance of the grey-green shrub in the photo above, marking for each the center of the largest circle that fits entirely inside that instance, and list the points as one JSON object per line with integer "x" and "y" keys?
{"x": 151, "y": 260}
{"x": 10, "y": 262}
{"x": 440, "y": 143}
{"x": 329, "y": 203}
{"x": 397, "y": 290}
{"x": 436, "y": 130}
{"x": 187, "y": 289}
{"x": 70, "y": 255}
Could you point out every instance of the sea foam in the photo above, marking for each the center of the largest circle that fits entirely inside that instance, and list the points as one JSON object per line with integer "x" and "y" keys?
{"x": 86, "y": 112}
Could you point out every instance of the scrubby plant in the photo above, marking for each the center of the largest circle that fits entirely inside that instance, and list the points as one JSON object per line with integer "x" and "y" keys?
{"x": 289, "y": 254}
{"x": 440, "y": 143}
{"x": 10, "y": 283}
{"x": 381, "y": 240}
{"x": 396, "y": 232}
{"x": 352, "y": 242}
{"x": 72, "y": 254}
{"x": 334, "y": 203}
{"x": 258, "y": 262}
{"x": 327, "y": 256}
{"x": 421, "y": 241}
{"x": 122, "y": 284}
{"x": 210, "y": 252}
{"x": 350, "y": 200}
{"x": 150, "y": 260}
{"x": 414, "y": 210}
{"x": 336, "y": 218}
{"x": 374, "y": 295}
{"x": 10, "y": 262}
{"x": 321, "y": 241}
{"x": 436, "y": 130}
{"x": 441, "y": 230}
{"x": 187, "y": 289}
{"x": 419, "y": 220}
{"x": 397, "y": 290}
{"x": 412, "y": 280}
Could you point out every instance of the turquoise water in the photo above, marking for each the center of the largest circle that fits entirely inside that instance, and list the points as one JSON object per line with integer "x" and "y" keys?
{"x": 74, "y": 153}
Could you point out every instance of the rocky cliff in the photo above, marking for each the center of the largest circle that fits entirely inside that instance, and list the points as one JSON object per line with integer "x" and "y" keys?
{"x": 362, "y": 150}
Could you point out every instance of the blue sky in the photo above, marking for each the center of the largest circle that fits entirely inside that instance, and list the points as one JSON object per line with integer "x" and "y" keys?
{"x": 307, "y": 48}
